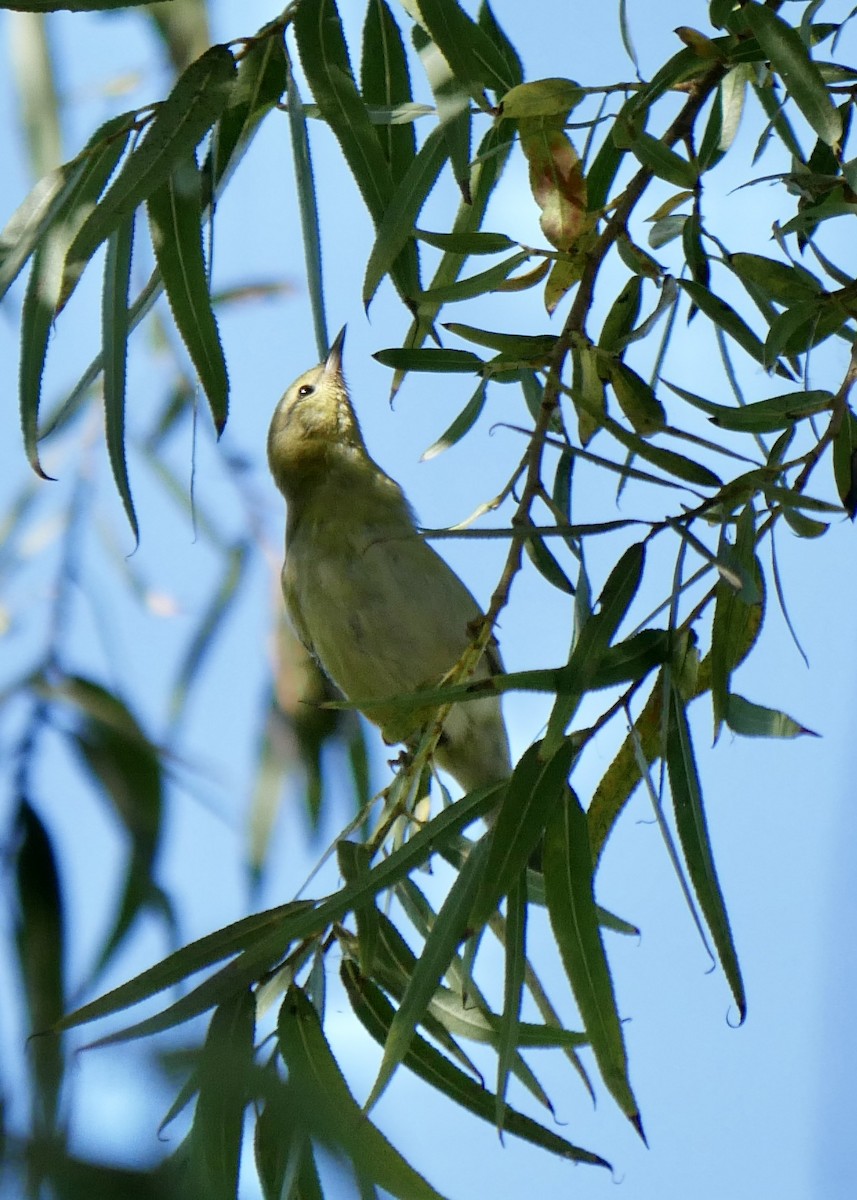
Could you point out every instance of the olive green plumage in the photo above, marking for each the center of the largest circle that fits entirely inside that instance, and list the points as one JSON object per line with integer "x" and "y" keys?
{"x": 381, "y": 611}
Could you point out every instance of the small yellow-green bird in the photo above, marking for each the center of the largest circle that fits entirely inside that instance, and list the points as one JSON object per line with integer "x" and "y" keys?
{"x": 380, "y": 610}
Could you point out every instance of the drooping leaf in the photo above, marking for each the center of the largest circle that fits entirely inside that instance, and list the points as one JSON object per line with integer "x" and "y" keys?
{"x": 175, "y": 216}
{"x": 474, "y": 57}
{"x": 181, "y": 122}
{"x": 224, "y": 1074}
{"x": 115, "y": 330}
{"x": 574, "y": 920}
{"x": 790, "y": 59}
{"x": 40, "y": 941}
{"x": 329, "y": 1110}
{"x": 376, "y": 1015}
{"x": 696, "y": 845}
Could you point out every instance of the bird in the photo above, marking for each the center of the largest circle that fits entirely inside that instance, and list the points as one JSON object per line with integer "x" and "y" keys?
{"x": 381, "y": 611}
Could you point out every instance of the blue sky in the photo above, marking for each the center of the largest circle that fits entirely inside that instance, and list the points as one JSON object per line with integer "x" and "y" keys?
{"x": 761, "y": 1110}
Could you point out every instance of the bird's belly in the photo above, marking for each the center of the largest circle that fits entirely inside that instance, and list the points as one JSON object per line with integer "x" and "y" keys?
{"x": 384, "y": 618}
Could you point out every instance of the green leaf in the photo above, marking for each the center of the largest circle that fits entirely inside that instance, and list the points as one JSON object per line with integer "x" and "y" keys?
{"x": 784, "y": 283}
{"x": 68, "y": 213}
{"x": 114, "y": 325}
{"x": 354, "y": 862}
{"x": 258, "y": 86}
{"x": 452, "y": 103}
{"x": 535, "y": 787}
{"x": 46, "y": 6}
{"x": 762, "y": 416}
{"x": 693, "y": 834}
{"x": 724, "y": 316}
{"x": 376, "y": 1015}
{"x": 180, "y": 123}
{"x": 592, "y": 641}
{"x": 541, "y": 98}
{"x": 664, "y": 162}
{"x": 754, "y": 720}
{"x": 40, "y": 941}
{"x": 462, "y": 424}
{"x": 324, "y": 57}
{"x": 386, "y": 83}
{"x": 175, "y": 216}
{"x": 269, "y": 932}
{"x": 461, "y": 362}
{"x": 602, "y": 172}
{"x": 331, "y": 1112}
{"x": 668, "y": 460}
{"x": 798, "y": 329}
{"x": 466, "y": 242}
{"x": 547, "y": 564}
{"x": 488, "y": 24}
{"x": 518, "y": 346}
{"x": 395, "y": 231}
{"x": 513, "y": 988}
{"x": 474, "y": 285}
{"x": 574, "y": 920}
{"x": 224, "y": 1073}
{"x": 394, "y": 964}
{"x": 448, "y": 931}
{"x": 308, "y": 207}
{"x": 790, "y": 59}
{"x": 736, "y": 612}
{"x": 622, "y": 316}
{"x": 694, "y": 250}
{"x": 474, "y": 58}
{"x": 485, "y": 172}
{"x": 637, "y": 400}
{"x": 845, "y": 462}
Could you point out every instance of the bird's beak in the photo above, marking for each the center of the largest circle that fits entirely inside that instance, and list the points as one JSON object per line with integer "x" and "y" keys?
{"x": 333, "y": 362}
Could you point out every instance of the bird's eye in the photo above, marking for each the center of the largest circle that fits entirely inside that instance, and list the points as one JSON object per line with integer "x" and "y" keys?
{"x": 305, "y": 389}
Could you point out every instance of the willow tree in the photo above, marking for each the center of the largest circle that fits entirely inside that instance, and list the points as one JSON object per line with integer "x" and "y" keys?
{"x": 667, "y": 593}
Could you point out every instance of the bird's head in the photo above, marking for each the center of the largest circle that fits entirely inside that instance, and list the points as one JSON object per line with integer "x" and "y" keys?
{"x": 313, "y": 425}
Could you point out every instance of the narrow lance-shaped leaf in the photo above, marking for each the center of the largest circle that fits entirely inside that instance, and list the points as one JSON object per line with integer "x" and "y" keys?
{"x": 308, "y": 207}
{"x": 95, "y": 166}
{"x": 376, "y": 1014}
{"x": 695, "y": 843}
{"x": 258, "y": 86}
{"x": 46, "y": 6}
{"x": 442, "y": 942}
{"x": 452, "y": 102}
{"x": 224, "y": 1073}
{"x": 637, "y": 400}
{"x": 175, "y": 217}
{"x": 462, "y": 424}
{"x": 756, "y": 720}
{"x": 324, "y": 57}
{"x": 490, "y": 160}
{"x": 536, "y": 783}
{"x": 114, "y": 325}
{"x": 574, "y": 920}
{"x": 386, "y": 83}
{"x": 396, "y": 230}
{"x": 40, "y": 939}
{"x": 473, "y": 56}
{"x": 287, "y": 922}
{"x": 664, "y": 162}
{"x": 790, "y": 59}
{"x": 329, "y": 1109}
{"x": 513, "y": 988}
{"x": 593, "y": 640}
{"x": 722, "y": 314}
{"x": 181, "y": 122}
{"x": 735, "y": 612}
